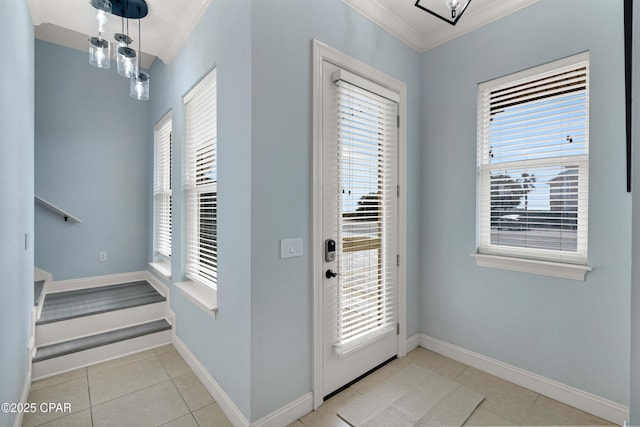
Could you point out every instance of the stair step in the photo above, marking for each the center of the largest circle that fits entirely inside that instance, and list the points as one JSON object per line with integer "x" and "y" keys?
{"x": 86, "y": 302}
{"x": 38, "y": 287}
{"x": 98, "y": 340}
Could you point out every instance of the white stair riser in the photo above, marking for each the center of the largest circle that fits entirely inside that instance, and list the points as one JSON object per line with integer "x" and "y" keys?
{"x": 50, "y": 333}
{"x": 58, "y": 365}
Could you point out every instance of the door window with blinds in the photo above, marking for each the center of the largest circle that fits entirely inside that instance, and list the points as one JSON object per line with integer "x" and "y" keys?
{"x": 366, "y": 205}
{"x": 201, "y": 182}
{"x": 533, "y": 162}
{"x": 162, "y": 186}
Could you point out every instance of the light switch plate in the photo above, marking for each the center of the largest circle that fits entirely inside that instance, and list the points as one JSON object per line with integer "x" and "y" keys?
{"x": 291, "y": 247}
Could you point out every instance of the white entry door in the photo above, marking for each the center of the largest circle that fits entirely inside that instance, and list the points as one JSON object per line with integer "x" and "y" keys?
{"x": 359, "y": 225}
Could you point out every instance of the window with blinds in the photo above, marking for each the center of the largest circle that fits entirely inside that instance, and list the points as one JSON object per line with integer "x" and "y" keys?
{"x": 162, "y": 185}
{"x": 533, "y": 162}
{"x": 201, "y": 183}
{"x": 366, "y": 202}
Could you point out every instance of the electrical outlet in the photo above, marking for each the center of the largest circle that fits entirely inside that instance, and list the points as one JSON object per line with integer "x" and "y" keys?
{"x": 102, "y": 255}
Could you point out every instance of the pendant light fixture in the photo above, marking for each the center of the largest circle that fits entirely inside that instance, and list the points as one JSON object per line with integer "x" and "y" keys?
{"x": 125, "y": 56}
{"x": 99, "y": 50}
{"x": 102, "y": 12}
{"x": 449, "y": 11}
{"x": 127, "y": 59}
{"x": 139, "y": 86}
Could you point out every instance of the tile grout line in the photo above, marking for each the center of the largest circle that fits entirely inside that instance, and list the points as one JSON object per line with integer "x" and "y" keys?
{"x": 71, "y": 413}
{"x": 86, "y": 372}
{"x": 132, "y": 391}
{"x": 56, "y": 384}
{"x": 118, "y": 366}
{"x": 177, "y": 389}
{"x": 209, "y": 394}
{"x": 455, "y": 379}
{"x": 182, "y": 397}
{"x": 526, "y": 415}
{"x": 461, "y": 372}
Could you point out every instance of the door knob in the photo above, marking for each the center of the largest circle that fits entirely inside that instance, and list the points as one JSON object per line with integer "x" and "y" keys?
{"x": 330, "y": 273}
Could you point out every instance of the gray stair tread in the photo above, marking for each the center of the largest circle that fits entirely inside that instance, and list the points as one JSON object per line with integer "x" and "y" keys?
{"x": 38, "y": 287}
{"x": 86, "y": 302}
{"x": 105, "y": 338}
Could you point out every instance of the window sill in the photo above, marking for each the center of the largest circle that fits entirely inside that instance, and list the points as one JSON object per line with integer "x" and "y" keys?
{"x": 204, "y": 297}
{"x": 545, "y": 268}
{"x": 162, "y": 268}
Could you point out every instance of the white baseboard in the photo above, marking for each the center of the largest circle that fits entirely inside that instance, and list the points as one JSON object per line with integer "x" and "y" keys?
{"x": 582, "y": 400}
{"x": 278, "y": 418}
{"x": 160, "y": 286}
{"x": 24, "y": 397}
{"x": 171, "y": 318}
{"x": 32, "y": 339}
{"x": 108, "y": 279}
{"x": 413, "y": 342}
{"x": 39, "y": 274}
{"x": 96, "y": 281}
{"x": 288, "y": 413}
{"x": 229, "y": 408}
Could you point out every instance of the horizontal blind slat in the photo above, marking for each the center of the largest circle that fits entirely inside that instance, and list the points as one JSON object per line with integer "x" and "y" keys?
{"x": 162, "y": 185}
{"x": 533, "y": 164}
{"x": 366, "y": 126}
{"x": 201, "y": 182}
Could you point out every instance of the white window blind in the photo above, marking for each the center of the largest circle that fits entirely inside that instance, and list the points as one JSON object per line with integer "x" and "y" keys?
{"x": 162, "y": 185}
{"x": 533, "y": 162}
{"x": 366, "y": 202}
{"x": 201, "y": 182}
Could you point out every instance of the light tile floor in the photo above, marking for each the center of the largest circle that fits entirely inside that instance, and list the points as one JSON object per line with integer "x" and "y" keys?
{"x": 505, "y": 404}
{"x": 157, "y": 388}
{"x": 151, "y": 388}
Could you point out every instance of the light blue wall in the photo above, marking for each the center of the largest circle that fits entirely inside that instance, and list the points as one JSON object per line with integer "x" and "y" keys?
{"x": 91, "y": 159}
{"x": 262, "y": 52}
{"x": 634, "y": 397}
{"x": 16, "y": 193}
{"x": 282, "y": 289}
{"x": 222, "y": 39}
{"x": 573, "y": 332}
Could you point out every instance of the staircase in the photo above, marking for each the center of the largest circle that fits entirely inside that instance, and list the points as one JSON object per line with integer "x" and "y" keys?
{"x": 86, "y": 326}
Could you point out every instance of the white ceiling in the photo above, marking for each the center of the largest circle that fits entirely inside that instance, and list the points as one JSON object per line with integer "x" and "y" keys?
{"x": 169, "y": 22}
{"x": 423, "y": 31}
{"x": 164, "y": 30}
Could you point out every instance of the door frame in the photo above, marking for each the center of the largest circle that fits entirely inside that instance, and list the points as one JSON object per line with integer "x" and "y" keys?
{"x": 323, "y": 52}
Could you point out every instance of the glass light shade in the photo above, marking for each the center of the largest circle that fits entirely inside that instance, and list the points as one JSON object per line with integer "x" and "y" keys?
{"x": 139, "y": 88}
{"x": 99, "y": 53}
{"x": 126, "y": 61}
{"x": 102, "y": 10}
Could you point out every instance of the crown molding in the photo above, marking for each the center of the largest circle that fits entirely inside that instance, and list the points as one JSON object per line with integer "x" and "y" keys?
{"x": 438, "y": 32}
{"x": 389, "y": 21}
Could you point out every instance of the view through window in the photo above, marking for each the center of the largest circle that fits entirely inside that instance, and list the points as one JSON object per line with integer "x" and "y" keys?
{"x": 533, "y": 162}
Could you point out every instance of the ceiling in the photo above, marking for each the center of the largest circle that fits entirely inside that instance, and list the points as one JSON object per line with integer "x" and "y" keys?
{"x": 169, "y": 22}
{"x": 164, "y": 30}
{"x": 423, "y": 31}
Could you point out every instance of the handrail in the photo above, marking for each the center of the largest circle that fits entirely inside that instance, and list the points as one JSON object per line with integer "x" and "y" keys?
{"x": 66, "y": 215}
